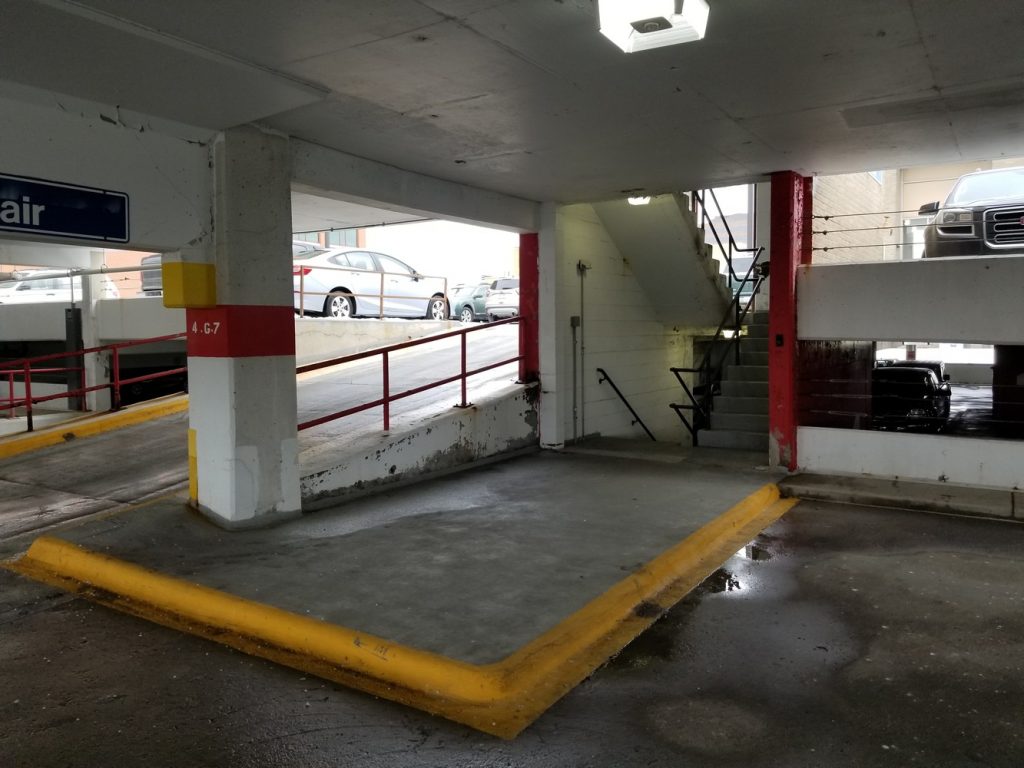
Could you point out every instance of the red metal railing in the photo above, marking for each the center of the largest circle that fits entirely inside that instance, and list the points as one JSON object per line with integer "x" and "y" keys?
{"x": 24, "y": 368}
{"x": 387, "y": 396}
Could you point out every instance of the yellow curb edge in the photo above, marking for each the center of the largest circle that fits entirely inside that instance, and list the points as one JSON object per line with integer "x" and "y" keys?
{"x": 15, "y": 445}
{"x": 501, "y": 699}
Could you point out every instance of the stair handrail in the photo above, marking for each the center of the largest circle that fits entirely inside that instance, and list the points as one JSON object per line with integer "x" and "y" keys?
{"x": 706, "y": 223}
{"x": 701, "y": 402}
{"x": 636, "y": 417}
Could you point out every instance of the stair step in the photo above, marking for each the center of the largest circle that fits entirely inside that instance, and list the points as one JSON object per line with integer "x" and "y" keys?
{"x": 752, "y": 357}
{"x": 728, "y": 404}
{"x": 745, "y": 388}
{"x": 742, "y": 422}
{"x": 746, "y": 373}
{"x": 757, "y": 330}
{"x": 758, "y": 317}
{"x": 731, "y": 438}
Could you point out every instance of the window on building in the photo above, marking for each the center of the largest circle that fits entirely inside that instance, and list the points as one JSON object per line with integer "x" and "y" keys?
{"x": 342, "y": 237}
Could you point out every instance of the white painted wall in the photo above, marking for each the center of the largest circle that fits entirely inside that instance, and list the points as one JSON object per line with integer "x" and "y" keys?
{"x": 960, "y": 460}
{"x": 620, "y": 333}
{"x": 966, "y": 299}
{"x": 166, "y": 177}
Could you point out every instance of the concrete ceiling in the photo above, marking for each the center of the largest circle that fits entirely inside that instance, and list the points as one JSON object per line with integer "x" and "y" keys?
{"x": 525, "y": 97}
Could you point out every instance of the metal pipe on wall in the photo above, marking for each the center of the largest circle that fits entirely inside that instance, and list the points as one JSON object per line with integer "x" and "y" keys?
{"x": 581, "y": 269}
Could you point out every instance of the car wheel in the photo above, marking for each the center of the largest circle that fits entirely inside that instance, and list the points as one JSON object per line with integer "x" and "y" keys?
{"x": 437, "y": 309}
{"x": 339, "y": 305}
{"x": 466, "y": 315}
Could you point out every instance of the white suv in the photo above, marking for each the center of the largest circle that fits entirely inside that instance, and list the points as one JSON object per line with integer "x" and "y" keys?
{"x": 503, "y": 298}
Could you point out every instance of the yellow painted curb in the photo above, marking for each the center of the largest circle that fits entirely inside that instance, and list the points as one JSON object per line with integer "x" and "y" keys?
{"x": 93, "y": 425}
{"x": 501, "y": 698}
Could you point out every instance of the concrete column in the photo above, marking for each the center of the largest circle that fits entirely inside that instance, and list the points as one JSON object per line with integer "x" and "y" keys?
{"x": 790, "y": 247}
{"x": 243, "y": 446}
{"x": 552, "y": 418}
{"x": 97, "y": 366}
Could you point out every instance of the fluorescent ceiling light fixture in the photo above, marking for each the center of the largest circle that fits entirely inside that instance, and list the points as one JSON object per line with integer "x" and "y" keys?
{"x": 637, "y": 25}
{"x": 638, "y": 199}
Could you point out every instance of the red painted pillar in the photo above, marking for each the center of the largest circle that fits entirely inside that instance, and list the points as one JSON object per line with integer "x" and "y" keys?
{"x": 790, "y": 247}
{"x": 529, "y": 303}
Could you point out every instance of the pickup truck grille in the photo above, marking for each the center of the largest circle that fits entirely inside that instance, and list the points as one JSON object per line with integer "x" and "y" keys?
{"x": 1004, "y": 227}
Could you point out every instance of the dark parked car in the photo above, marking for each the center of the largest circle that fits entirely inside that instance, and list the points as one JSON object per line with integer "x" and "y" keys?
{"x": 904, "y": 396}
{"x": 468, "y": 302}
{"x": 983, "y": 215}
{"x": 937, "y": 366}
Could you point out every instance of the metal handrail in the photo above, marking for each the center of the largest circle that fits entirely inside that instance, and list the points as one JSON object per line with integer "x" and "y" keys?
{"x": 636, "y": 417}
{"x": 24, "y": 368}
{"x": 388, "y": 397}
{"x": 706, "y": 223}
{"x": 709, "y": 372}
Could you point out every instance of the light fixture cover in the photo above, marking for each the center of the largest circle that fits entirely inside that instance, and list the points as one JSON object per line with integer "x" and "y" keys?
{"x": 637, "y": 25}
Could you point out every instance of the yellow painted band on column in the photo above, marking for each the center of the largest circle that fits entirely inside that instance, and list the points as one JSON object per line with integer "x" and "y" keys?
{"x": 500, "y": 698}
{"x": 193, "y": 468}
{"x": 187, "y": 284}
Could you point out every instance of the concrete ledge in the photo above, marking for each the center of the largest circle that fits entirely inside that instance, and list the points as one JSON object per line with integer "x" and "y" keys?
{"x": 501, "y": 422}
{"x": 907, "y": 494}
{"x": 91, "y": 425}
{"x": 500, "y": 699}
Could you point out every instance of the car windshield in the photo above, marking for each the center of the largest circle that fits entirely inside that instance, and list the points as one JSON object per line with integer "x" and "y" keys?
{"x": 988, "y": 186}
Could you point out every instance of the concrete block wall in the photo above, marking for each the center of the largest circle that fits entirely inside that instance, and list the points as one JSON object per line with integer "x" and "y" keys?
{"x": 620, "y": 332}
{"x": 857, "y": 193}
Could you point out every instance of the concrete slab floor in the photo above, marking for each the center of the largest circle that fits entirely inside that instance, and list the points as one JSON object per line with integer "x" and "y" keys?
{"x": 842, "y": 635}
{"x": 472, "y": 566}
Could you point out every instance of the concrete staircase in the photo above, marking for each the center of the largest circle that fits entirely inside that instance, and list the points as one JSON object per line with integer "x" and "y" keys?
{"x": 664, "y": 247}
{"x": 740, "y": 416}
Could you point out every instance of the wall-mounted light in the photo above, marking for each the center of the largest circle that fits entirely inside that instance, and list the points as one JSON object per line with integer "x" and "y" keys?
{"x": 638, "y": 199}
{"x": 637, "y": 25}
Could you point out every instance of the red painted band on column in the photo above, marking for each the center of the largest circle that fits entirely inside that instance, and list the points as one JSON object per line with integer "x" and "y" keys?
{"x": 240, "y": 331}
{"x": 529, "y": 304}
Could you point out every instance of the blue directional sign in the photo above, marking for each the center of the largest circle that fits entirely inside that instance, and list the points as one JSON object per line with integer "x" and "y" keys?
{"x": 39, "y": 207}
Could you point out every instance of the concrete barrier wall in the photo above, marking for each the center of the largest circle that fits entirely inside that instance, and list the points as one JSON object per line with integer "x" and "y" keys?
{"x": 317, "y": 338}
{"x": 967, "y": 299}
{"x": 503, "y": 422}
{"x": 975, "y": 374}
{"x": 897, "y": 455}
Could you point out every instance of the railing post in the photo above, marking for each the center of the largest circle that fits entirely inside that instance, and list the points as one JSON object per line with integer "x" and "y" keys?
{"x": 302, "y": 292}
{"x": 28, "y": 395}
{"x": 387, "y": 393}
{"x": 115, "y": 391}
{"x": 10, "y": 389}
{"x": 463, "y": 404}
